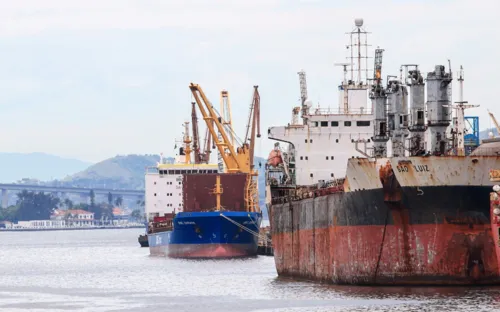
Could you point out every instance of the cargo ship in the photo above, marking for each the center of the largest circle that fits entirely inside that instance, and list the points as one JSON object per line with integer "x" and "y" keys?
{"x": 384, "y": 194}
{"x": 197, "y": 209}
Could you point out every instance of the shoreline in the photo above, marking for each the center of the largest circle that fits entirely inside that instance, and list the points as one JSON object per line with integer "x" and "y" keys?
{"x": 74, "y": 229}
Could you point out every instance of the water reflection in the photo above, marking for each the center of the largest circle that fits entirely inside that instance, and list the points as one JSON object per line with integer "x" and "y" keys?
{"x": 106, "y": 270}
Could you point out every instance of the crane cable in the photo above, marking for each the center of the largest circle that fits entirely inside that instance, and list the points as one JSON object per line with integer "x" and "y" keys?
{"x": 246, "y": 228}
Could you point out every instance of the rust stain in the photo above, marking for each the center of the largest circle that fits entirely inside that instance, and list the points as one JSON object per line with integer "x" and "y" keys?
{"x": 494, "y": 175}
{"x": 390, "y": 185}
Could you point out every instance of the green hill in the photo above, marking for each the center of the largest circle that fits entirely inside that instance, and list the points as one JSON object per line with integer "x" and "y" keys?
{"x": 127, "y": 172}
{"x": 37, "y": 166}
{"x": 119, "y": 172}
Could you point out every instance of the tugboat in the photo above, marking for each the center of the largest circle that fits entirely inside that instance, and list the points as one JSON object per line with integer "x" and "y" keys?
{"x": 143, "y": 240}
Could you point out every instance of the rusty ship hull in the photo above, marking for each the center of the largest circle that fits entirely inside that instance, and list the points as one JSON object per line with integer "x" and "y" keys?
{"x": 395, "y": 221}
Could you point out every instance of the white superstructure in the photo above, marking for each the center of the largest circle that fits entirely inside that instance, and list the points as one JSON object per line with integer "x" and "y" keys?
{"x": 163, "y": 183}
{"x": 164, "y": 187}
{"x": 322, "y": 144}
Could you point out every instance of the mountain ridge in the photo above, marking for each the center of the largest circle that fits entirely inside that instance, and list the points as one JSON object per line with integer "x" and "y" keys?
{"x": 37, "y": 166}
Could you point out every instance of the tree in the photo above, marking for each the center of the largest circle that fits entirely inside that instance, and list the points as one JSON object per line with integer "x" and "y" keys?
{"x": 137, "y": 215}
{"x": 119, "y": 201}
{"x": 9, "y": 213}
{"x": 35, "y": 206}
{"x": 68, "y": 203}
{"x": 110, "y": 198}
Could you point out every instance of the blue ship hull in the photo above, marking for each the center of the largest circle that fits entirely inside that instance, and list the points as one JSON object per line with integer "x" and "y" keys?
{"x": 208, "y": 235}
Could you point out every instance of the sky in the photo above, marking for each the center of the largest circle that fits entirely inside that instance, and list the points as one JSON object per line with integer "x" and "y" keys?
{"x": 90, "y": 79}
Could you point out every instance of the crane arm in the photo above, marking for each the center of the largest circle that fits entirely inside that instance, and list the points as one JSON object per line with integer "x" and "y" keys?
{"x": 232, "y": 162}
{"x": 255, "y": 122}
{"x": 206, "y": 147}
{"x": 225, "y": 111}
{"x": 196, "y": 139}
{"x": 494, "y": 121}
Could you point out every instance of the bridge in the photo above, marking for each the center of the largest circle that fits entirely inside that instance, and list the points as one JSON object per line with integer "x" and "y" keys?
{"x": 83, "y": 191}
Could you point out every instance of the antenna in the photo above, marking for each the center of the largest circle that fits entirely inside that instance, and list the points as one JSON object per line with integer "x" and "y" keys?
{"x": 345, "y": 70}
{"x": 356, "y": 35}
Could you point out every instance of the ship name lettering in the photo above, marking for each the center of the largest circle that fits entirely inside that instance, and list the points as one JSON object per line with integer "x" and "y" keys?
{"x": 421, "y": 168}
{"x": 402, "y": 168}
{"x": 418, "y": 168}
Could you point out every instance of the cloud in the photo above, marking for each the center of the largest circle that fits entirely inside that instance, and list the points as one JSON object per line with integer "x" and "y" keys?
{"x": 259, "y": 17}
{"x": 96, "y": 67}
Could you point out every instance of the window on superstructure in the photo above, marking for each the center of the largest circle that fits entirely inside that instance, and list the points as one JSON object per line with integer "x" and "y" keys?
{"x": 177, "y": 172}
{"x": 155, "y": 182}
{"x": 307, "y": 158}
{"x": 310, "y": 140}
{"x": 315, "y": 124}
{"x": 332, "y": 158}
{"x": 324, "y": 123}
{"x": 171, "y": 172}
{"x": 311, "y": 175}
{"x": 301, "y": 157}
{"x": 155, "y": 194}
{"x": 347, "y": 123}
{"x": 326, "y": 157}
{"x": 336, "y": 140}
{"x": 335, "y": 124}
{"x": 363, "y": 123}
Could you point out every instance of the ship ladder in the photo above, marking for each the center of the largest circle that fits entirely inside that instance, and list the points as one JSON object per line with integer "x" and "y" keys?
{"x": 246, "y": 229}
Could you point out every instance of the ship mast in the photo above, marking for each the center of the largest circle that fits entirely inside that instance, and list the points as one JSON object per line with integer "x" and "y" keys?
{"x": 353, "y": 92}
{"x": 187, "y": 143}
{"x": 460, "y": 106}
{"x": 356, "y": 42}
{"x": 303, "y": 96}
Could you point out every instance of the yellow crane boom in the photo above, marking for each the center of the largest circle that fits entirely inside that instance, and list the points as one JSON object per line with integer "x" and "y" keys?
{"x": 237, "y": 159}
{"x": 494, "y": 121}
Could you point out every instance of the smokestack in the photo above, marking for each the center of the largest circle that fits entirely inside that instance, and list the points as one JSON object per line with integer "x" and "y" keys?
{"x": 380, "y": 138}
{"x": 397, "y": 98}
{"x": 417, "y": 113}
{"x": 438, "y": 108}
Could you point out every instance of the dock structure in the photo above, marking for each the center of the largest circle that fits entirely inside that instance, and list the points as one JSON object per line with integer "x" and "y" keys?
{"x": 265, "y": 247}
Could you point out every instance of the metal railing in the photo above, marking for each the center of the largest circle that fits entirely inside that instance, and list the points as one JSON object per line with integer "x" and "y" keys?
{"x": 341, "y": 111}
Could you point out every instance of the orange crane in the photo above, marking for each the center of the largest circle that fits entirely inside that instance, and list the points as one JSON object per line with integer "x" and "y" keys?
{"x": 237, "y": 159}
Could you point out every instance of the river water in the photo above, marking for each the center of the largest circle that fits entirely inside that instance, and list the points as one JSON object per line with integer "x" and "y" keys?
{"x": 106, "y": 270}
